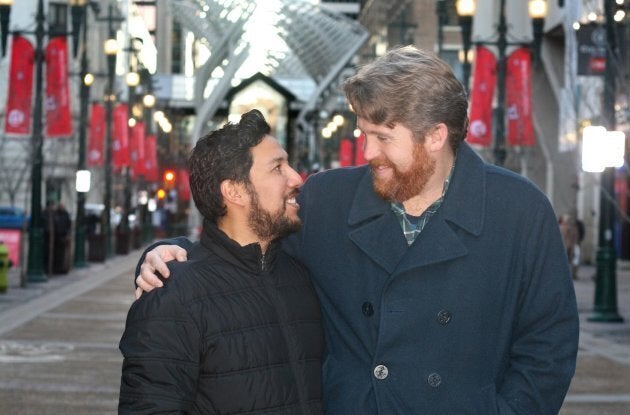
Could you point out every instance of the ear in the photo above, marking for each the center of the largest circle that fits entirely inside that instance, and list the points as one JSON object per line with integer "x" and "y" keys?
{"x": 233, "y": 192}
{"x": 437, "y": 138}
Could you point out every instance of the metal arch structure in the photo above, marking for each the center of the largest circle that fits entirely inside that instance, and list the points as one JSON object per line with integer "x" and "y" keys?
{"x": 318, "y": 44}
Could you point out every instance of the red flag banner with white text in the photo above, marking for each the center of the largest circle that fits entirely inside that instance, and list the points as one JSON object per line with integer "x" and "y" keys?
{"x": 520, "y": 129}
{"x": 20, "y": 91}
{"x": 150, "y": 159}
{"x": 346, "y": 153}
{"x": 58, "y": 112}
{"x": 481, "y": 95}
{"x": 96, "y": 139}
{"x": 120, "y": 137}
{"x": 183, "y": 185}
{"x": 137, "y": 150}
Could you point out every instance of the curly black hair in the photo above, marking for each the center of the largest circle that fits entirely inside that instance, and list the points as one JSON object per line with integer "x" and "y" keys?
{"x": 224, "y": 154}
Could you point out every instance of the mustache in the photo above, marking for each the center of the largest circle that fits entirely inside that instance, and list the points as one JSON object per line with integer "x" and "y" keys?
{"x": 293, "y": 193}
{"x": 380, "y": 163}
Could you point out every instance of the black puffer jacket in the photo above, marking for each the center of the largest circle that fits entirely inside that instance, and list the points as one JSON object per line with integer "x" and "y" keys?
{"x": 233, "y": 331}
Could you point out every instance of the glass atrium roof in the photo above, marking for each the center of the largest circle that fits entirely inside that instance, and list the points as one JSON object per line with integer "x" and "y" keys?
{"x": 295, "y": 39}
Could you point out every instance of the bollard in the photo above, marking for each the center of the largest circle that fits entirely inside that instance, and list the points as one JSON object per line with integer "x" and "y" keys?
{"x": 5, "y": 264}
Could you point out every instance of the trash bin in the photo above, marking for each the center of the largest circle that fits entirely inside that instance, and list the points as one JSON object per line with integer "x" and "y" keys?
{"x": 122, "y": 240}
{"x": 96, "y": 247}
{"x": 137, "y": 237}
{"x": 12, "y": 220}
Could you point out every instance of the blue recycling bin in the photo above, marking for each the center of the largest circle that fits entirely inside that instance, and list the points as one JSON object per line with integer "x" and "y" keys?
{"x": 11, "y": 217}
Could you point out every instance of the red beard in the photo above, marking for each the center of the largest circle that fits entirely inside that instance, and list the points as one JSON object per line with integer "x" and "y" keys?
{"x": 404, "y": 185}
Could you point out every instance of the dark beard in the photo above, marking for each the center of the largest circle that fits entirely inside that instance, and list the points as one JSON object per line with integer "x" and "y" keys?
{"x": 267, "y": 225}
{"x": 405, "y": 185}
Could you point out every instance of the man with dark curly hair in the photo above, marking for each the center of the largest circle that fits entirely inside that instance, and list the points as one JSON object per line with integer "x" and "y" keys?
{"x": 238, "y": 329}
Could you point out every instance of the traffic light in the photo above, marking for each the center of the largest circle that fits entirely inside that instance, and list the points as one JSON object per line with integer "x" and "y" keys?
{"x": 161, "y": 194}
{"x": 169, "y": 178}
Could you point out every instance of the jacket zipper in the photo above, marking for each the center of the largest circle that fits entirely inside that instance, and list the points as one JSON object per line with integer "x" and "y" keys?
{"x": 263, "y": 263}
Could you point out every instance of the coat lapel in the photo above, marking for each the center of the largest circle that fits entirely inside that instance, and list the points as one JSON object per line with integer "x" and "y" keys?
{"x": 462, "y": 210}
{"x": 375, "y": 230}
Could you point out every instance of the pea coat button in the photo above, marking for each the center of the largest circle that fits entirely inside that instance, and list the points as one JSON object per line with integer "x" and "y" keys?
{"x": 381, "y": 372}
{"x": 367, "y": 309}
{"x": 434, "y": 380}
{"x": 444, "y": 317}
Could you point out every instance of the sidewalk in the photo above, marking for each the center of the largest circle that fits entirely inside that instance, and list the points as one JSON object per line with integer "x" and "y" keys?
{"x": 21, "y": 304}
{"x": 59, "y": 341}
{"x": 42, "y": 314}
{"x": 602, "y": 380}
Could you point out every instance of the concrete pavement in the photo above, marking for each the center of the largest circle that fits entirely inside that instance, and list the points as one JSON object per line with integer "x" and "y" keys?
{"x": 601, "y": 385}
{"x": 59, "y": 341}
{"x": 59, "y": 344}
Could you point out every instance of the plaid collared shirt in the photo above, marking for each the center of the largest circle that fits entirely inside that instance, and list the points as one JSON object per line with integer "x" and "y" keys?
{"x": 412, "y": 230}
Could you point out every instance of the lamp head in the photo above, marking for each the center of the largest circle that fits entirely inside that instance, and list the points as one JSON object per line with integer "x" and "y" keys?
{"x": 465, "y": 8}
{"x": 537, "y": 9}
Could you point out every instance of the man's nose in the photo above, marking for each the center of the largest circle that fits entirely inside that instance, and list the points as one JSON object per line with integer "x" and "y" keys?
{"x": 295, "y": 180}
{"x": 371, "y": 148}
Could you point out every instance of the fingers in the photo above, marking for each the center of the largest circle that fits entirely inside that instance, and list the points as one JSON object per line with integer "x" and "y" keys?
{"x": 153, "y": 262}
{"x": 139, "y": 291}
{"x": 181, "y": 254}
{"x": 169, "y": 252}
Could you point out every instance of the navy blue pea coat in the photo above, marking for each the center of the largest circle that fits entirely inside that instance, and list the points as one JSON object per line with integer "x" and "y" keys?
{"x": 477, "y": 316}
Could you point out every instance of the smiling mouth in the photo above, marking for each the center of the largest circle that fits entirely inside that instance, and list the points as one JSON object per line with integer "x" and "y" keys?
{"x": 291, "y": 199}
{"x": 380, "y": 170}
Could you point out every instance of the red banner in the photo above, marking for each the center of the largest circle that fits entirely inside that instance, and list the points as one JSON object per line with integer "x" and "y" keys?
{"x": 518, "y": 97}
{"x": 150, "y": 159}
{"x": 359, "y": 158}
{"x": 20, "y": 91}
{"x": 346, "y": 153}
{"x": 137, "y": 150}
{"x": 120, "y": 137}
{"x": 58, "y": 112}
{"x": 183, "y": 184}
{"x": 96, "y": 139}
{"x": 481, "y": 95}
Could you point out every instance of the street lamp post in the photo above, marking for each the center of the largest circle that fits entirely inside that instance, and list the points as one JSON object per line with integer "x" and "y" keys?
{"x": 111, "y": 49}
{"x": 35, "y": 266}
{"x": 605, "y": 307}
{"x": 465, "y": 9}
{"x": 465, "y": 12}
{"x": 79, "y": 17}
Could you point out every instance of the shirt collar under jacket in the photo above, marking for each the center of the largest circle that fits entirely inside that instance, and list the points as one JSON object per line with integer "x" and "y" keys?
{"x": 412, "y": 229}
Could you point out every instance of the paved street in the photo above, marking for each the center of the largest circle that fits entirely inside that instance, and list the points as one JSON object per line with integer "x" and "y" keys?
{"x": 59, "y": 345}
{"x": 59, "y": 348}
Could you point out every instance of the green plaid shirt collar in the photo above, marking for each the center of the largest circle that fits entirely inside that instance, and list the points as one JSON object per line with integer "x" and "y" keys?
{"x": 412, "y": 230}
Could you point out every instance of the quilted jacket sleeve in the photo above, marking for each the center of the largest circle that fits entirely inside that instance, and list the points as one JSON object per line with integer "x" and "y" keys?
{"x": 160, "y": 346}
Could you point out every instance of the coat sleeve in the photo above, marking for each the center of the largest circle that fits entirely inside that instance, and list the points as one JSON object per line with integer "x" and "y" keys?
{"x": 161, "y": 348}
{"x": 546, "y": 325}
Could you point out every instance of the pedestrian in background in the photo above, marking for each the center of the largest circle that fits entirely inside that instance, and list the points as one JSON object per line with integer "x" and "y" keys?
{"x": 48, "y": 224}
{"x": 62, "y": 234}
{"x": 443, "y": 280}
{"x": 570, "y": 239}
